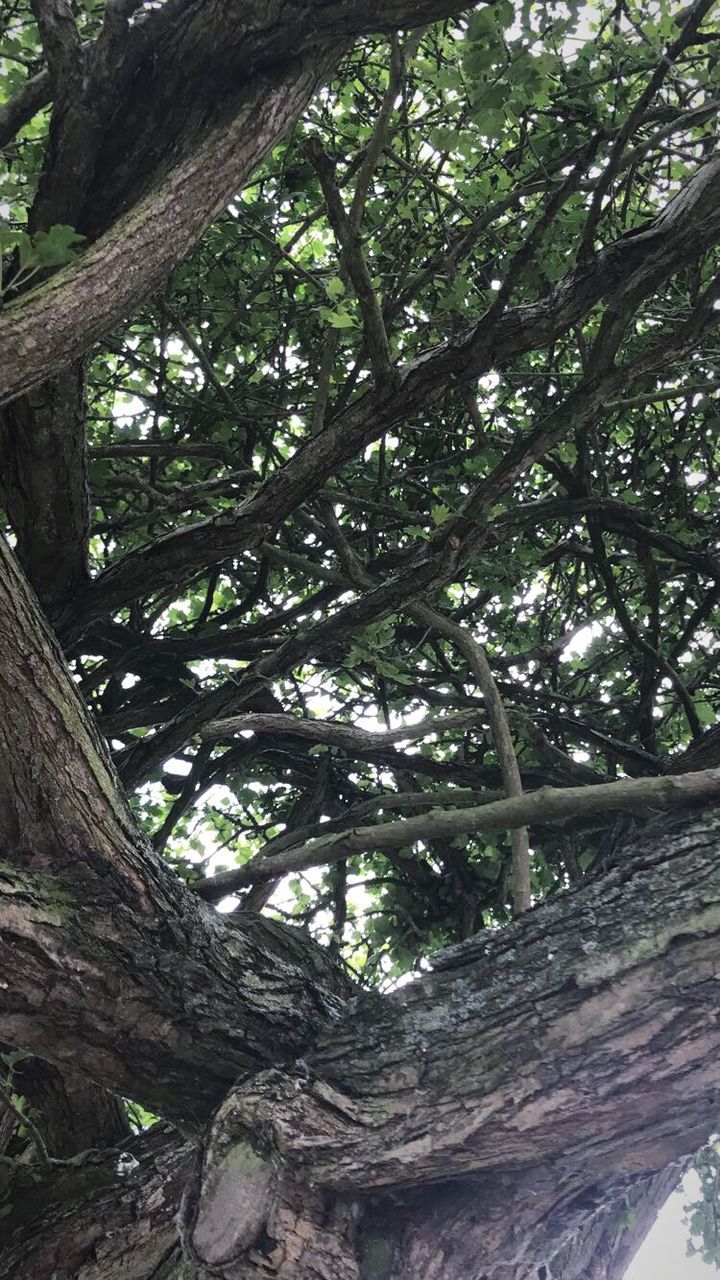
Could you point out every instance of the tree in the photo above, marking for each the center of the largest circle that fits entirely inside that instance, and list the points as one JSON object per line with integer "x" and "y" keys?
{"x": 358, "y": 464}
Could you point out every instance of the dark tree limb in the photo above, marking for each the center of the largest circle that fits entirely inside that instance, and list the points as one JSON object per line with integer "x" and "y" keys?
{"x": 109, "y": 1213}
{"x": 688, "y": 225}
{"x": 43, "y": 480}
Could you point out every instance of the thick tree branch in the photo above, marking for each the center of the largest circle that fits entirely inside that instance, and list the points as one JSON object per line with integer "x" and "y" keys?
{"x": 111, "y": 1213}
{"x": 58, "y": 321}
{"x": 61, "y": 42}
{"x": 35, "y": 94}
{"x": 593, "y": 992}
{"x": 44, "y": 486}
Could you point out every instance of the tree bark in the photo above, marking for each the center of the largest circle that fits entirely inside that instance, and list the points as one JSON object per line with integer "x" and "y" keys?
{"x": 503, "y": 1116}
{"x": 108, "y": 1214}
{"x": 234, "y": 78}
{"x": 43, "y": 481}
{"x": 86, "y": 897}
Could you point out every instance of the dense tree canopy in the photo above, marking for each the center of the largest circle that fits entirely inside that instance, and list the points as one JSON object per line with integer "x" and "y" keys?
{"x": 360, "y": 372}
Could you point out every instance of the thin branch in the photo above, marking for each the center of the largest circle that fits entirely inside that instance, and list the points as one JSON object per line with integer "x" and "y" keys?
{"x": 398, "y": 57}
{"x": 353, "y": 261}
{"x": 35, "y": 1135}
{"x": 500, "y": 734}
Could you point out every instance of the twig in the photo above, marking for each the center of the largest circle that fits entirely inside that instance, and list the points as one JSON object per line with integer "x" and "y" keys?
{"x": 500, "y": 734}
{"x": 28, "y": 1124}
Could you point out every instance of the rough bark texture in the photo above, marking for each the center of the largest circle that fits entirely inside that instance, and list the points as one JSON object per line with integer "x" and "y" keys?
{"x": 225, "y": 67}
{"x": 543, "y": 1066}
{"x": 44, "y": 486}
{"x": 110, "y": 1214}
{"x": 86, "y": 897}
{"x": 546, "y": 1066}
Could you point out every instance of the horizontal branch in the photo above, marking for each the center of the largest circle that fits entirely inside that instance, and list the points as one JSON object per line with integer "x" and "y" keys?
{"x": 336, "y": 735}
{"x": 531, "y": 808}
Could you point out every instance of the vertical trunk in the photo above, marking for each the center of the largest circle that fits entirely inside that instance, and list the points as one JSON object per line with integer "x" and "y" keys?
{"x": 43, "y": 479}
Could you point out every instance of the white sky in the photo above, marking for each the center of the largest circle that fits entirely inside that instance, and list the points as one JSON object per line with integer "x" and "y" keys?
{"x": 663, "y": 1255}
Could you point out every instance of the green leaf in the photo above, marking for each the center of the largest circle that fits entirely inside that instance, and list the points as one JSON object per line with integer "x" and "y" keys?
{"x": 341, "y": 320}
{"x": 58, "y": 246}
{"x": 335, "y": 288}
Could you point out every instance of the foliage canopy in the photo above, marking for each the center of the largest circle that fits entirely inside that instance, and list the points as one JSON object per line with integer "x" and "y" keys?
{"x": 551, "y": 487}
{"x": 595, "y": 585}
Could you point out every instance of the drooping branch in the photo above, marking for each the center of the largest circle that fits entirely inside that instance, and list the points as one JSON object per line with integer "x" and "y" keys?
{"x": 501, "y": 737}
